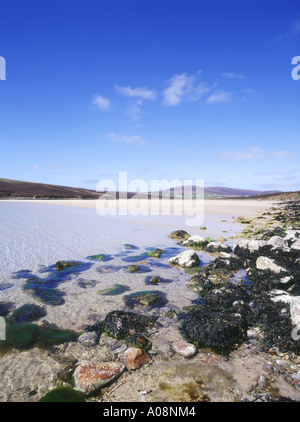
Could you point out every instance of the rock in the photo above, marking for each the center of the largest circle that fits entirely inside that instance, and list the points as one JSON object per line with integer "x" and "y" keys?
{"x": 265, "y": 263}
{"x": 145, "y": 298}
{"x": 231, "y": 263}
{"x": 186, "y": 259}
{"x": 262, "y": 382}
{"x": 135, "y": 358}
{"x": 217, "y": 247}
{"x": 154, "y": 280}
{"x": 89, "y": 339}
{"x": 155, "y": 253}
{"x": 61, "y": 265}
{"x": 197, "y": 241}
{"x": 120, "y": 324}
{"x": 90, "y": 376}
{"x": 21, "y": 335}
{"x": 296, "y": 376}
{"x": 200, "y": 284}
{"x": 220, "y": 330}
{"x": 179, "y": 234}
{"x": 296, "y": 245}
{"x": 184, "y": 349}
{"x": 278, "y": 242}
{"x": 221, "y": 239}
{"x": 246, "y": 247}
{"x": 133, "y": 268}
{"x": 202, "y": 228}
{"x": 27, "y": 313}
{"x": 295, "y": 310}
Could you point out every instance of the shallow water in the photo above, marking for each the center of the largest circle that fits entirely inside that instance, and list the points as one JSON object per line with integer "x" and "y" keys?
{"x": 35, "y": 236}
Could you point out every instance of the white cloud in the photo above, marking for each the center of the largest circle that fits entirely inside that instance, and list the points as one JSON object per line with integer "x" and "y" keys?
{"x": 253, "y": 153}
{"x": 179, "y": 86}
{"x": 232, "y": 75}
{"x": 101, "y": 103}
{"x": 126, "y": 139}
{"x": 143, "y": 92}
{"x": 219, "y": 97}
{"x": 183, "y": 87}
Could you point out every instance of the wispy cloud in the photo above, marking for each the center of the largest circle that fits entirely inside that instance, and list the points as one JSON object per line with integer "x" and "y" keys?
{"x": 295, "y": 27}
{"x": 138, "y": 140}
{"x": 183, "y": 87}
{"x": 219, "y": 97}
{"x": 143, "y": 92}
{"x": 35, "y": 167}
{"x": 253, "y": 153}
{"x": 232, "y": 75}
{"x": 101, "y": 103}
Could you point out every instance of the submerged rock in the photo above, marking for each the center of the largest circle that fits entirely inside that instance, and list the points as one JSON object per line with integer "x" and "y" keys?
{"x": 90, "y": 376}
{"x": 156, "y": 253}
{"x": 61, "y": 265}
{"x": 27, "y": 313}
{"x": 186, "y": 259}
{"x": 184, "y": 349}
{"x": 133, "y": 268}
{"x": 135, "y": 358}
{"x": 145, "y": 298}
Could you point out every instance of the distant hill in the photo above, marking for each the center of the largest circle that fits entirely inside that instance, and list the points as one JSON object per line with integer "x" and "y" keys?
{"x": 19, "y": 189}
{"x": 212, "y": 192}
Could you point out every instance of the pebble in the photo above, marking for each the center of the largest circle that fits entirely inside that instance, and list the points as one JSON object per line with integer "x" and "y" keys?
{"x": 184, "y": 349}
{"x": 135, "y": 358}
{"x": 89, "y": 339}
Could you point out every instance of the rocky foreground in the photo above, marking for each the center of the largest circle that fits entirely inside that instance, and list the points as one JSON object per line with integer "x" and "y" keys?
{"x": 240, "y": 341}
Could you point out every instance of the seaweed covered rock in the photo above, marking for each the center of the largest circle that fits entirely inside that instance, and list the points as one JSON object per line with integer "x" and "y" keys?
{"x": 156, "y": 253}
{"x": 200, "y": 284}
{"x": 195, "y": 241}
{"x": 121, "y": 324}
{"x": 232, "y": 263}
{"x": 220, "y": 330}
{"x": 61, "y": 265}
{"x": 265, "y": 280}
{"x": 27, "y": 313}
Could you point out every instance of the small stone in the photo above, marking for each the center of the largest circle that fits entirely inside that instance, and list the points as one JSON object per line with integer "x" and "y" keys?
{"x": 90, "y": 376}
{"x": 262, "y": 382}
{"x": 89, "y": 339}
{"x": 184, "y": 349}
{"x": 202, "y": 228}
{"x": 154, "y": 280}
{"x": 135, "y": 358}
{"x": 296, "y": 376}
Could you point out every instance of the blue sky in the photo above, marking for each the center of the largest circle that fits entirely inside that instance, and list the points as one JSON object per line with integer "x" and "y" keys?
{"x": 160, "y": 89}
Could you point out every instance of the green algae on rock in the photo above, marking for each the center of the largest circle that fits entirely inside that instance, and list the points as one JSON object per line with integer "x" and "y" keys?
{"x": 27, "y": 313}
{"x": 63, "y": 395}
{"x": 156, "y": 253}
{"x": 133, "y": 268}
{"x": 146, "y": 298}
{"x": 179, "y": 234}
{"x": 114, "y": 290}
{"x": 61, "y": 265}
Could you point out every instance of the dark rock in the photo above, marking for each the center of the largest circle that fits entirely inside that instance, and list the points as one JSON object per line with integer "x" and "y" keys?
{"x": 121, "y": 324}
{"x": 61, "y": 265}
{"x": 27, "y": 313}
{"x": 219, "y": 330}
